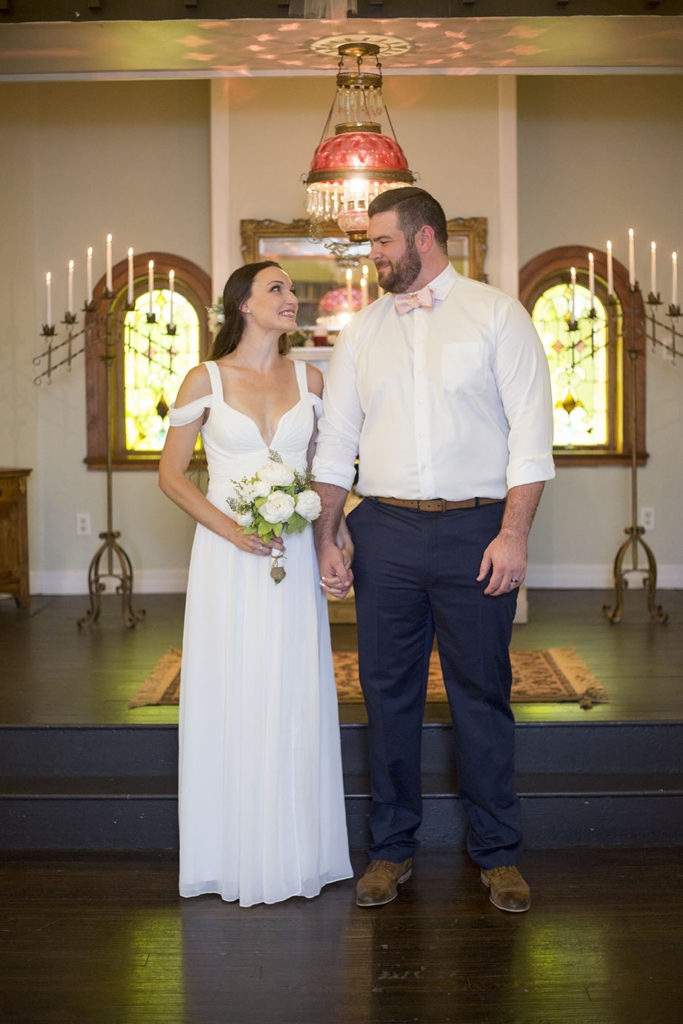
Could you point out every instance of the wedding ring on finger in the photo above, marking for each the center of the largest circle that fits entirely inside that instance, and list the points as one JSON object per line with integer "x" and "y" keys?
{"x": 514, "y": 579}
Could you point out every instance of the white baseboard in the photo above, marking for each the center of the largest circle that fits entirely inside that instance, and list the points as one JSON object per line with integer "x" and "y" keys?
{"x": 174, "y": 581}
{"x": 150, "y": 581}
{"x": 595, "y": 577}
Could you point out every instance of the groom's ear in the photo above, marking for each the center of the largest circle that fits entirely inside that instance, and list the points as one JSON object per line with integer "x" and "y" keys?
{"x": 424, "y": 238}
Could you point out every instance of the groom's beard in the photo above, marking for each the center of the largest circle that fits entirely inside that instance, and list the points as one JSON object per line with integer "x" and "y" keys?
{"x": 398, "y": 277}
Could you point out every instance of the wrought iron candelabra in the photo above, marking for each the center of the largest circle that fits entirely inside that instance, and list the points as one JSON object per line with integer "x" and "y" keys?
{"x": 636, "y": 332}
{"x": 99, "y": 330}
{"x": 637, "y": 337}
{"x": 102, "y": 326}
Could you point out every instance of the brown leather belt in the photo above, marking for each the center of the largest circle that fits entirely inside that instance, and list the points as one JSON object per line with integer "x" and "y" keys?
{"x": 435, "y": 504}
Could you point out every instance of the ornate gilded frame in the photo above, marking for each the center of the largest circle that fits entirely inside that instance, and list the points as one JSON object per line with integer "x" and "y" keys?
{"x": 472, "y": 230}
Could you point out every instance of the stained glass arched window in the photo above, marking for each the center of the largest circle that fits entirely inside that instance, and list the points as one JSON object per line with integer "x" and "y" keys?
{"x": 154, "y": 364}
{"x": 593, "y": 377}
{"x": 149, "y": 362}
{"x": 579, "y": 364}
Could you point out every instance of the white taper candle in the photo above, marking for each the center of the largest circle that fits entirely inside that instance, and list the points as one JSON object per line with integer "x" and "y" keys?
{"x": 88, "y": 274}
{"x": 70, "y": 288}
{"x": 108, "y": 264}
{"x": 674, "y": 278}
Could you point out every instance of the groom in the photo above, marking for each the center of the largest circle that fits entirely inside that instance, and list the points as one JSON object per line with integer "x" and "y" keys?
{"x": 442, "y": 388}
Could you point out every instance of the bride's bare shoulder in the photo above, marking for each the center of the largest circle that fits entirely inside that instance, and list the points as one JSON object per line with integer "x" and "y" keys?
{"x": 195, "y": 385}
{"x": 314, "y": 380}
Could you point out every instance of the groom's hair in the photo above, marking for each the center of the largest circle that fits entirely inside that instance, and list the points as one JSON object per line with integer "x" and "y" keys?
{"x": 236, "y": 292}
{"x": 414, "y": 208}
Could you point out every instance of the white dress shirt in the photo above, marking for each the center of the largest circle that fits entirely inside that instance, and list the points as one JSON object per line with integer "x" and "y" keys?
{"x": 452, "y": 402}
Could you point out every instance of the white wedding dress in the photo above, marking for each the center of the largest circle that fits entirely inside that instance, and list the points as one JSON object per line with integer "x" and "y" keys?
{"x": 261, "y": 803}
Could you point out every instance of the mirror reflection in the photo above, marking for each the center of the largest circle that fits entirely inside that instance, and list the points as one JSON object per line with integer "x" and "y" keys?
{"x": 334, "y": 278}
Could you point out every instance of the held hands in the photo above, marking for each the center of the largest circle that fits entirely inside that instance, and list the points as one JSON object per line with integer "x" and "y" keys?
{"x": 335, "y": 567}
{"x": 506, "y": 559}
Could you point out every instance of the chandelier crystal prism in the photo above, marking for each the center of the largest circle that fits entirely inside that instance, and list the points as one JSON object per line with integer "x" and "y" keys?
{"x": 358, "y": 162}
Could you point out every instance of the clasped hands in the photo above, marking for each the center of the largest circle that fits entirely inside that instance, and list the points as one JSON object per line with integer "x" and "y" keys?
{"x": 334, "y": 559}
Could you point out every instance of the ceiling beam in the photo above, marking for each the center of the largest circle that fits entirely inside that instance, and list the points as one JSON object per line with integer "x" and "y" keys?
{"x": 16, "y": 11}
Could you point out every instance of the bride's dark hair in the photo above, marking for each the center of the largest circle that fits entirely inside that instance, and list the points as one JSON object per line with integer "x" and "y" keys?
{"x": 237, "y": 290}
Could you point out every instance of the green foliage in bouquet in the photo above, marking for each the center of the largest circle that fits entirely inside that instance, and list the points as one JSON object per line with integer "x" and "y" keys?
{"x": 267, "y": 502}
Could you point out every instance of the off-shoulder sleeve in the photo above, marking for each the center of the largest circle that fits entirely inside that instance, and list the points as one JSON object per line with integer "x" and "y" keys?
{"x": 190, "y": 412}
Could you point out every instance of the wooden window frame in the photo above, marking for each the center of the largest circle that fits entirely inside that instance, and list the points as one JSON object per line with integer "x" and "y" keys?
{"x": 553, "y": 267}
{"x": 194, "y": 284}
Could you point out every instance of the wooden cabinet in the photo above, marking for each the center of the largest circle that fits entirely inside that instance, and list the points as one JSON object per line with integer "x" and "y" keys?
{"x": 14, "y": 535}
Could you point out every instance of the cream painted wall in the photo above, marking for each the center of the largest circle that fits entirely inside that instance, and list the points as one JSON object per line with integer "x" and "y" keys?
{"x": 598, "y": 155}
{"x": 79, "y": 160}
{"x": 133, "y": 158}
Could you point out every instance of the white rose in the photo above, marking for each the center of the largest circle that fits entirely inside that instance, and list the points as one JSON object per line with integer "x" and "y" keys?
{"x": 308, "y": 505}
{"x": 247, "y": 490}
{"x": 278, "y": 507}
{"x": 244, "y": 518}
{"x": 276, "y": 474}
{"x": 260, "y": 487}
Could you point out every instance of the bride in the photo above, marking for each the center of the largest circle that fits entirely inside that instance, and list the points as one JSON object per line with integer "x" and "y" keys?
{"x": 261, "y": 803}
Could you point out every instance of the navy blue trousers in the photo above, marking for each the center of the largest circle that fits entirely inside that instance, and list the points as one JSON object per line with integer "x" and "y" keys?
{"x": 415, "y": 574}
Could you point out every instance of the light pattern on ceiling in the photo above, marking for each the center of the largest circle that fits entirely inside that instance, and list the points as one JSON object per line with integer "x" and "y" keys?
{"x": 250, "y": 47}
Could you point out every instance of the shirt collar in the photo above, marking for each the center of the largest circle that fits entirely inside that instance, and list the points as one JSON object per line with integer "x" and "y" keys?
{"x": 442, "y": 285}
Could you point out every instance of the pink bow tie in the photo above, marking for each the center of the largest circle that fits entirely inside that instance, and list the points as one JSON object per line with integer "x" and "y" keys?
{"x": 406, "y": 301}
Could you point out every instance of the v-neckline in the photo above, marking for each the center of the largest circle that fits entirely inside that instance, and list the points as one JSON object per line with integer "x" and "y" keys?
{"x": 251, "y": 419}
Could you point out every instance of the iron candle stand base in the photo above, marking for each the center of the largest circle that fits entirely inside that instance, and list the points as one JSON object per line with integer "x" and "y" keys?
{"x": 97, "y": 586}
{"x": 635, "y": 538}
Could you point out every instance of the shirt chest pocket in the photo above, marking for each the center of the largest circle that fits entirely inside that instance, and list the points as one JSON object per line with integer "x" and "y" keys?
{"x": 463, "y": 366}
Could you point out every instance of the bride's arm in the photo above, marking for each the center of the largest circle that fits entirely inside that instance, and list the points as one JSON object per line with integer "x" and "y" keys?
{"x": 343, "y": 539}
{"x": 175, "y": 458}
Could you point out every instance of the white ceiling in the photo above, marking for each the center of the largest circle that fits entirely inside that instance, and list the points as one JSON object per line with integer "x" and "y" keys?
{"x": 248, "y": 47}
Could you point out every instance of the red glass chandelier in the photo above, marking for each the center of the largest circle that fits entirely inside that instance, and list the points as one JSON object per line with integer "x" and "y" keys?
{"x": 358, "y": 162}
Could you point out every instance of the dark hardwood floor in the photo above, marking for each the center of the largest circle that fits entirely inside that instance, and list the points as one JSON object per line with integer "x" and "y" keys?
{"x": 104, "y": 939}
{"x": 99, "y": 939}
{"x": 54, "y": 673}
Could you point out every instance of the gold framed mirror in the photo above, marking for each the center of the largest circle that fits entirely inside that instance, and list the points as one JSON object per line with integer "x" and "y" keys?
{"x": 330, "y": 287}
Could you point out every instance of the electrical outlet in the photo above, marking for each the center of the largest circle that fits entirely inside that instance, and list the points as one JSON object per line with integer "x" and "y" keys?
{"x": 82, "y": 524}
{"x": 647, "y": 518}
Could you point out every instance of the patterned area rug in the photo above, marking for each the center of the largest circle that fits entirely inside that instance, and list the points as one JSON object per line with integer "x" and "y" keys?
{"x": 553, "y": 675}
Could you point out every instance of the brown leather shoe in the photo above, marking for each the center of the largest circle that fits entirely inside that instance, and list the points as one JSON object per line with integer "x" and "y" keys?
{"x": 379, "y": 884}
{"x": 507, "y": 889}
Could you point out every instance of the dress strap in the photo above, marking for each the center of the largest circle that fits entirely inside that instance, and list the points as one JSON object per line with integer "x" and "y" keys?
{"x": 215, "y": 378}
{"x": 301, "y": 377}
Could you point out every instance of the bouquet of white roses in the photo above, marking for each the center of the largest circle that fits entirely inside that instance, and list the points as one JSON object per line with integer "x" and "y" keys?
{"x": 275, "y": 500}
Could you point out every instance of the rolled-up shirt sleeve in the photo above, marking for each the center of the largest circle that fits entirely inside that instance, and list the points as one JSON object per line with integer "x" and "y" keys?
{"x": 340, "y": 424}
{"x": 523, "y": 379}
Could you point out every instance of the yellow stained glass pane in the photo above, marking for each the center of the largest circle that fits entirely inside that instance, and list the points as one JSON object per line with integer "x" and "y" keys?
{"x": 578, "y": 365}
{"x": 155, "y": 363}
